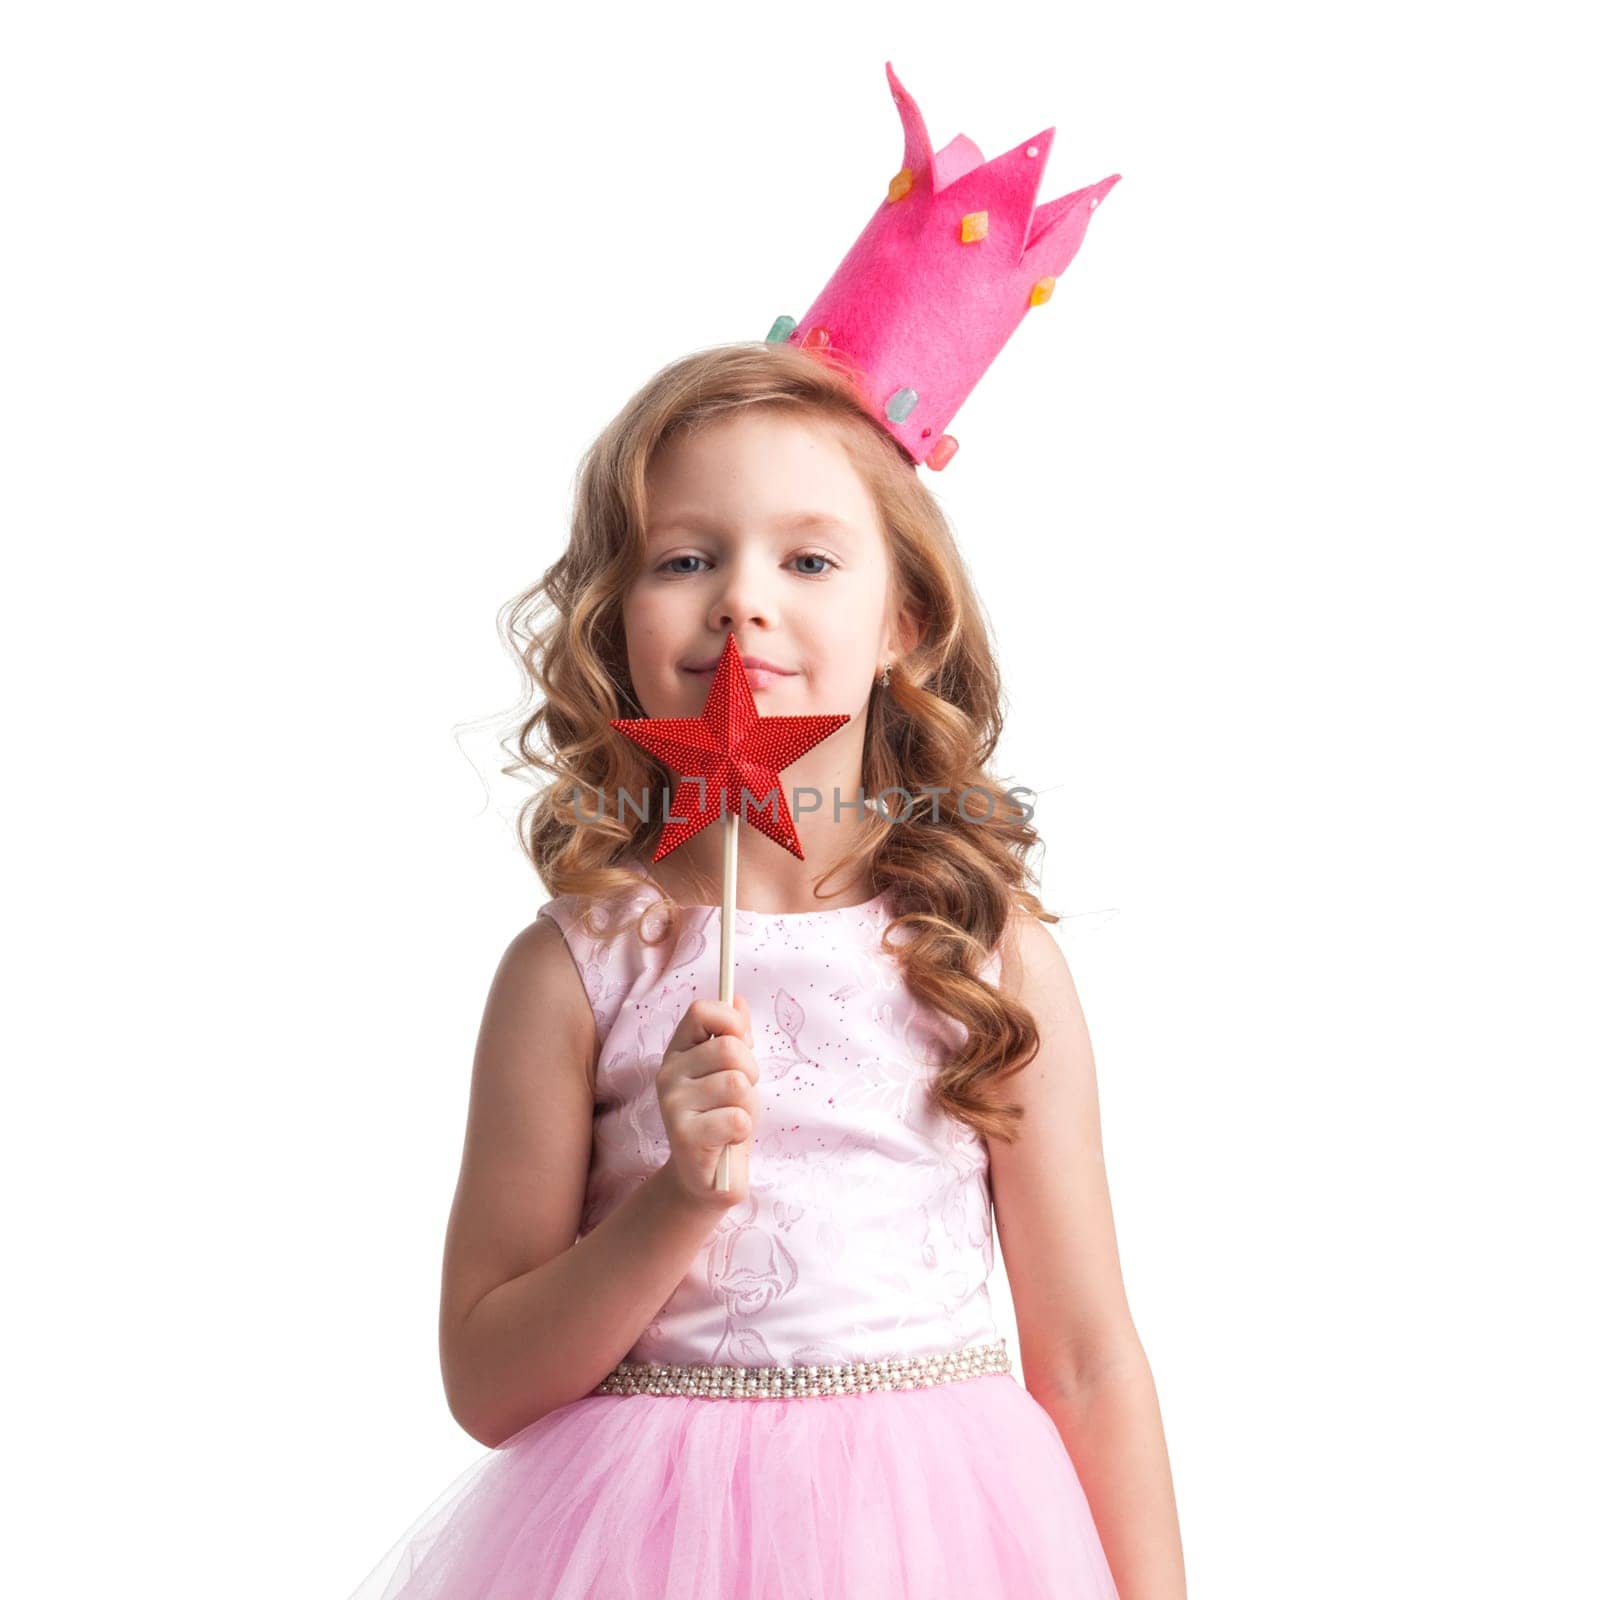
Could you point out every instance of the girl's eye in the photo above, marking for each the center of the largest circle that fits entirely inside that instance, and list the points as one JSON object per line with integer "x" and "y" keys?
{"x": 809, "y": 555}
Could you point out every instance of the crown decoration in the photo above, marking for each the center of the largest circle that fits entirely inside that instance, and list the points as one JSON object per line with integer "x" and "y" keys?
{"x": 954, "y": 258}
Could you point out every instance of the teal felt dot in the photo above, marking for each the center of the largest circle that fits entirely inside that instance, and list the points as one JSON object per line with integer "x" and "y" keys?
{"x": 901, "y": 404}
{"x": 781, "y": 329}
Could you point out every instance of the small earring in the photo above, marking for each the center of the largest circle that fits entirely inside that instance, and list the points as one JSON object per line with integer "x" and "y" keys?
{"x": 883, "y": 678}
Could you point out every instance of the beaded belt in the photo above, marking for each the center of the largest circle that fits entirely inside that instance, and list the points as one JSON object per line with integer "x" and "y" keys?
{"x": 787, "y": 1383}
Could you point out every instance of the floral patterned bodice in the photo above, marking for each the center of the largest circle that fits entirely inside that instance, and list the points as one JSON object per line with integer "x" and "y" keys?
{"x": 866, "y": 1232}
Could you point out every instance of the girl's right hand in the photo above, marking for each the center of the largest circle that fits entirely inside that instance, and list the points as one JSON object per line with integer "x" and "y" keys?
{"x": 707, "y": 1092}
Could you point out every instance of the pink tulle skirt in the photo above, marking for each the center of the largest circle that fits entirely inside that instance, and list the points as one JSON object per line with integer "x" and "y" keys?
{"x": 961, "y": 1489}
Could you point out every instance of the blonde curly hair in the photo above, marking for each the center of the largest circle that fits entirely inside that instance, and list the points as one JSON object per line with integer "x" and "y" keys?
{"x": 953, "y": 884}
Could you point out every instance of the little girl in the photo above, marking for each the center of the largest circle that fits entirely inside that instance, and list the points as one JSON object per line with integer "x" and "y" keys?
{"x": 793, "y": 1388}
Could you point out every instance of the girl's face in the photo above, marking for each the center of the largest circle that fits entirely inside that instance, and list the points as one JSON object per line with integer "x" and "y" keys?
{"x": 760, "y": 524}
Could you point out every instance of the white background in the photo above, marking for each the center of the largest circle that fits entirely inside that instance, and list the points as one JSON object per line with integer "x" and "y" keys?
{"x": 1283, "y": 514}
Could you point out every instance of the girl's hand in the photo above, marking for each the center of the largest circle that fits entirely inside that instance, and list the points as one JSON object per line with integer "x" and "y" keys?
{"x": 707, "y": 1092}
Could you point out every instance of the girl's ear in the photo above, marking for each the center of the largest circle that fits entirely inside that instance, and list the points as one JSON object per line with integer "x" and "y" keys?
{"x": 908, "y": 631}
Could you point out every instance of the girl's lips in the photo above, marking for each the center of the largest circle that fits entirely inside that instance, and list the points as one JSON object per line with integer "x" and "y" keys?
{"x": 756, "y": 677}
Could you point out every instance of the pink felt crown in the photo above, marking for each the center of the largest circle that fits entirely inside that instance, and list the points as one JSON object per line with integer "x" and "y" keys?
{"x": 952, "y": 261}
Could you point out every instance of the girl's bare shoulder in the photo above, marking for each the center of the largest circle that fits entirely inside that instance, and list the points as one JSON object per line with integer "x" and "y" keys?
{"x": 537, "y": 998}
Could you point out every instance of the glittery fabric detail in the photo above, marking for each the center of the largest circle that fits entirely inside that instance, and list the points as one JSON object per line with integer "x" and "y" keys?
{"x": 867, "y": 1230}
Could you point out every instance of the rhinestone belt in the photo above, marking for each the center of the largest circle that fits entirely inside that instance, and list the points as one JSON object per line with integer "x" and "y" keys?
{"x": 787, "y": 1383}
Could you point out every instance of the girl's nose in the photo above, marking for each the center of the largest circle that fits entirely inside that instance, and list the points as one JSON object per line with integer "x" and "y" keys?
{"x": 740, "y": 602}
{"x": 737, "y": 618}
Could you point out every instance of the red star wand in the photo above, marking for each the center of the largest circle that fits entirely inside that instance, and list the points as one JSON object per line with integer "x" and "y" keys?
{"x": 728, "y": 750}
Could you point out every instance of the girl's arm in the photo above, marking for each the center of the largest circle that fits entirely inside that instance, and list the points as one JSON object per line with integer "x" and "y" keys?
{"x": 1080, "y": 1353}
{"x": 528, "y": 1319}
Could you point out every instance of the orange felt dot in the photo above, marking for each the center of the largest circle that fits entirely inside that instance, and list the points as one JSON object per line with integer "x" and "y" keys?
{"x": 1042, "y": 291}
{"x": 901, "y": 183}
{"x": 975, "y": 225}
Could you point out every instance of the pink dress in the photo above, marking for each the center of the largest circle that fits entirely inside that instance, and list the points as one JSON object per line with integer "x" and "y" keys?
{"x": 824, "y": 1409}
